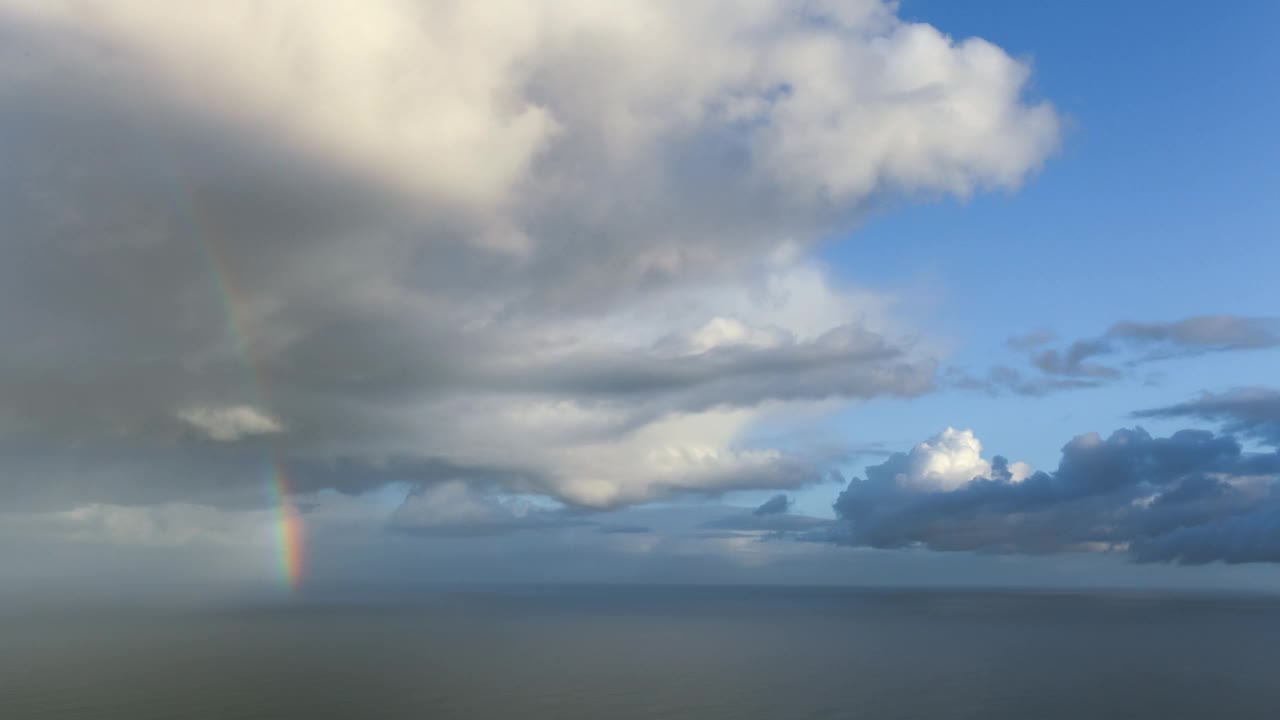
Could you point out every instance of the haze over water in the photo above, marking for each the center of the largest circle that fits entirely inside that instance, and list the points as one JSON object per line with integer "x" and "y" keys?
{"x": 623, "y": 652}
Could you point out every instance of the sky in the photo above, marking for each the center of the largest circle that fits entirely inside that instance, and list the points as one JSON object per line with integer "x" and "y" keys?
{"x": 360, "y": 298}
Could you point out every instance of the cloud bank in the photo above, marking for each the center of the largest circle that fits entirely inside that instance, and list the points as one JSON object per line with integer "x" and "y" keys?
{"x": 1193, "y": 497}
{"x": 558, "y": 249}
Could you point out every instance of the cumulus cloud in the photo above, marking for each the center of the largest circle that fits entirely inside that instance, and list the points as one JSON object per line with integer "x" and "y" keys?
{"x": 946, "y": 461}
{"x": 1192, "y": 497}
{"x": 554, "y": 249}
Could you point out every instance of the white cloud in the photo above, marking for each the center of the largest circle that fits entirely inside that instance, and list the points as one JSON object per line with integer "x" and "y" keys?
{"x": 227, "y": 424}
{"x": 1019, "y": 471}
{"x": 950, "y": 459}
{"x": 424, "y": 95}
{"x": 730, "y": 332}
{"x": 456, "y": 507}
{"x": 460, "y": 100}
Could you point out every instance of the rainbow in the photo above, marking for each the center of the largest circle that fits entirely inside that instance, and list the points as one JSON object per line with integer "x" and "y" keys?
{"x": 288, "y": 526}
{"x": 289, "y": 530}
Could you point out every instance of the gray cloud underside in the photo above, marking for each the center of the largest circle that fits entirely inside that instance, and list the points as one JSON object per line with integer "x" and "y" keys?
{"x": 775, "y": 505}
{"x": 51, "y": 476}
{"x": 847, "y": 361}
{"x": 460, "y": 510}
{"x": 1193, "y": 497}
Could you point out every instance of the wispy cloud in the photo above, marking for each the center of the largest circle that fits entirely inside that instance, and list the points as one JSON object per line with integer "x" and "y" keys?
{"x": 1253, "y": 412}
{"x": 1114, "y": 355}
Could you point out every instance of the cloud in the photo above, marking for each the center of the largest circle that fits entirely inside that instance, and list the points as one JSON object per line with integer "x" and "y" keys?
{"x": 1193, "y": 497}
{"x": 457, "y": 509}
{"x": 1254, "y": 412}
{"x": 946, "y": 461}
{"x": 1002, "y": 378}
{"x": 230, "y": 423}
{"x": 1248, "y": 538}
{"x": 772, "y": 519}
{"x": 775, "y": 505}
{"x": 1194, "y": 335}
{"x": 521, "y": 249}
{"x": 1073, "y": 361}
{"x": 1130, "y": 344}
{"x": 845, "y": 361}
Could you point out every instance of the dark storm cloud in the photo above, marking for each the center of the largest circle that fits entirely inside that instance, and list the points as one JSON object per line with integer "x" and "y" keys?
{"x": 1254, "y": 412}
{"x": 848, "y": 361}
{"x": 150, "y": 258}
{"x": 1152, "y": 496}
{"x": 1246, "y": 538}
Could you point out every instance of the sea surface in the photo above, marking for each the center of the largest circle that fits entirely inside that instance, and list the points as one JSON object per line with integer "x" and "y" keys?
{"x": 617, "y": 652}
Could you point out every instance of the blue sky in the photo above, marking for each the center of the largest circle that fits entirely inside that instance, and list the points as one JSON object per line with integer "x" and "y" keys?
{"x": 553, "y": 293}
{"x": 1160, "y": 205}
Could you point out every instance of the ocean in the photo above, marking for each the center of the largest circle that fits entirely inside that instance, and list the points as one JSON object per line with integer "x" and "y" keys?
{"x": 654, "y": 652}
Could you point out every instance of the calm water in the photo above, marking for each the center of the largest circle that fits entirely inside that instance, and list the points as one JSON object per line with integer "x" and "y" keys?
{"x": 658, "y": 653}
